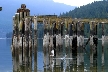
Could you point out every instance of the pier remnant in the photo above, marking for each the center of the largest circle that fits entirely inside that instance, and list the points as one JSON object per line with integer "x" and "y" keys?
{"x": 63, "y": 35}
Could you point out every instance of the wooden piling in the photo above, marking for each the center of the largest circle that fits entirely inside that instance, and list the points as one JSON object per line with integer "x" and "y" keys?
{"x": 30, "y": 46}
{"x": 56, "y": 29}
{"x": 35, "y": 43}
{"x": 91, "y": 45}
{"x": 103, "y": 39}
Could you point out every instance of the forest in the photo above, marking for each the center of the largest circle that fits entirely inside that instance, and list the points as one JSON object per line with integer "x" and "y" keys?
{"x": 96, "y": 9}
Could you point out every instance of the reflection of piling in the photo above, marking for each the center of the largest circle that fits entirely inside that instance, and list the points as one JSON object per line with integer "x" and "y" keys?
{"x": 80, "y": 43}
{"x": 93, "y": 44}
{"x": 60, "y": 34}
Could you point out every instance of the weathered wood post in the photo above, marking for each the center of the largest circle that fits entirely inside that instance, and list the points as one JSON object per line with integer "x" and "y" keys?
{"x": 30, "y": 45}
{"x": 59, "y": 36}
{"x": 16, "y": 41}
{"x": 82, "y": 41}
{"x": 21, "y": 28}
{"x": 51, "y": 61}
{"x": 95, "y": 40}
{"x": 44, "y": 43}
{"x": 16, "y": 53}
{"x": 20, "y": 31}
{"x": 66, "y": 37}
{"x": 82, "y": 44}
{"x": 13, "y": 45}
{"x": 70, "y": 45}
{"x": 105, "y": 46}
{"x": 57, "y": 41}
{"x": 91, "y": 45}
{"x": 78, "y": 44}
{"x": 45, "y": 27}
{"x": 74, "y": 44}
{"x": 48, "y": 35}
{"x": 54, "y": 43}
{"x": 103, "y": 43}
{"x": 26, "y": 45}
{"x": 63, "y": 46}
{"x": 35, "y": 43}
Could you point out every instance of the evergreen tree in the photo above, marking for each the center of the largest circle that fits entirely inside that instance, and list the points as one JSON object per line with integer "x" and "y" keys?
{"x": 96, "y": 9}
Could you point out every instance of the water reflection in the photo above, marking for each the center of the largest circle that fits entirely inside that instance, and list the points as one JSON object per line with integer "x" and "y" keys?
{"x": 5, "y": 55}
{"x": 91, "y": 58}
{"x": 85, "y": 60}
{"x": 8, "y": 42}
{"x": 84, "y": 66}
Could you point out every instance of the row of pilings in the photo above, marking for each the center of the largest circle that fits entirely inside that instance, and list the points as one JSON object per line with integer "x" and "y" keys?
{"x": 61, "y": 34}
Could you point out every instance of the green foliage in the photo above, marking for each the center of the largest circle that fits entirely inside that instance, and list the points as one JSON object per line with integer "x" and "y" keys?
{"x": 97, "y": 9}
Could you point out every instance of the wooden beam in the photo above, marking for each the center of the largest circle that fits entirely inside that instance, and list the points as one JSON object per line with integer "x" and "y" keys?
{"x": 53, "y": 18}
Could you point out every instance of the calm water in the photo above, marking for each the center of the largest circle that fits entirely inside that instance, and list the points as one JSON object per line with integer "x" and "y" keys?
{"x": 6, "y": 58}
{"x": 5, "y": 55}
